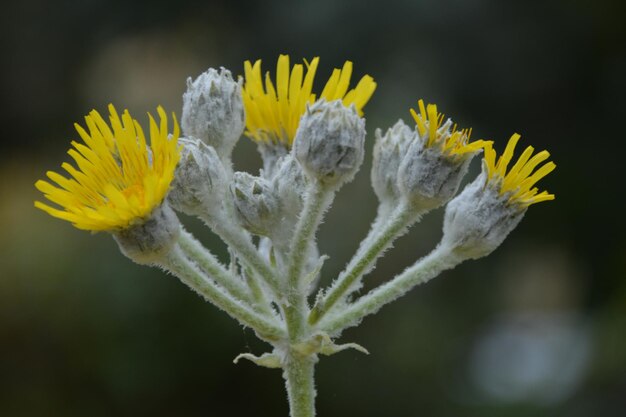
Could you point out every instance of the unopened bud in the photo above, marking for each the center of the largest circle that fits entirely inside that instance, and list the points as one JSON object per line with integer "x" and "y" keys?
{"x": 213, "y": 110}
{"x": 329, "y": 142}
{"x": 479, "y": 219}
{"x": 272, "y": 155}
{"x": 389, "y": 151}
{"x": 200, "y": 181}
{"x": 428, "y": 177}
{"x": 436, "y": 161}
{"x": 147, "y": 243}
{"x": 289, "y": 183}
{"x": 257, "y": 208}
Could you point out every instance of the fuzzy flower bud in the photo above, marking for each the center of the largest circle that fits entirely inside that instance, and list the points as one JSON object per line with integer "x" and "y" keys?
{"x": 200, "y": 181}
{"x": 436, "y": 162}
{"x": 257, "y": 208}
{"x": 428, "y": 178}
{"x": 329, "y": 142}
{"x": 289, "y": 182}
{"x": 389, "y": 151}
{"x": 148, "y": 242}
{"x": 213, "y": 110}
{"x": 479, "y": 219}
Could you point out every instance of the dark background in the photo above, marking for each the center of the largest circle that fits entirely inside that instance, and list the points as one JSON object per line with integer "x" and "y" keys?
{"x": 536, "y": 329}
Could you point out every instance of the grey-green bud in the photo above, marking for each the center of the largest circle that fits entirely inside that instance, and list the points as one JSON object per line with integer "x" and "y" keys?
{"x": 329, "y": 142}
{"x": 429, "y": 177}
{"x": 479, "y": 219}
{"x": 289, "y": 183}
{"x": 389, "y": 151}
{"x": 200, "y": 181}
{"x": 147, "y": 243}
{"x": 257, "y": 208}
{"x": 213, "y": 110}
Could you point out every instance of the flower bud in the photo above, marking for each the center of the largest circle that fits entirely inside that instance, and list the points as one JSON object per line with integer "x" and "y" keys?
{"x": 289, "y": 183}
{"x": 272, "y": 155}
{"x": 429, "y": 178}
{"x": 389, "y": 151}
{"x": 479, "y": 219}
{"x": 200, "y": 180}
{"x": 257, "y": 208}
{"x": 147, "y": 243}
{"x": 436, "y": 162}
{"x": 329, "y": 142}
{"x": 213, "y": 110}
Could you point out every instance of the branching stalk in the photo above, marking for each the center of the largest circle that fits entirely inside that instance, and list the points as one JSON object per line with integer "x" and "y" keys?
{"x": 177, "y": 263}
{"x": 205, "y": 260}
{"x": 440, "y": 259}
{"x": 240, "y": 242}
{"x": 379, "y": 239}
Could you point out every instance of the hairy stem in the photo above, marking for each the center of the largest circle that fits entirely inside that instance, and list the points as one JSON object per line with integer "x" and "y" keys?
{"x": 177, "y": 263}
{"x": 205, "y": 259}
{"x": 317, "y": 199}
{"x": 422, "y": 271}
{"x": 240, "y": 242}
{"x": 299, "y": 380}
{"x": 379, "y": 239}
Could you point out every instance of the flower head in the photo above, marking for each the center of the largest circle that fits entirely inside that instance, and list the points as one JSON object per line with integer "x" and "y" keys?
{"x": 479, "y": 219}
{"x": 120, "y": 180}
{"x": 273, "y": 111}
{"x": 434, "y": 160}
{"x": 518, "y": 183}
{"x": 452, "y": 142}
{"x": 329, "y": 142}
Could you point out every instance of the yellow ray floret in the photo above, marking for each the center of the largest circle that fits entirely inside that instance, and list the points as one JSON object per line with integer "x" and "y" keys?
{"x": 520, "y": 179}
{"x": 453, "y": 142}
{"x": 273, "y": 111}
{"x": 119, "y": 179}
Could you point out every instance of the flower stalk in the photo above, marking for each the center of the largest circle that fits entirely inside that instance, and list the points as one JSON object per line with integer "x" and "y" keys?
{"x": 376, "y": 243}
{"x": 179, "y": 265}
{"x": 299, "y": 375}
{"x": 422, "y": 271}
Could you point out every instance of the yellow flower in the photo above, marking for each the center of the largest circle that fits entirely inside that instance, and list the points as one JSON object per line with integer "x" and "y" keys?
{"x": 520, "y": 179}
{"x": 452, "y": 142}
{"x": 273, "y": 112}
{"x": 119, "y": 180}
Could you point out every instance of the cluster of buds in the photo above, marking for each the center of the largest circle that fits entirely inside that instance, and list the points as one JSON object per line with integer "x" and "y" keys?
{"x": 311, "y": 145}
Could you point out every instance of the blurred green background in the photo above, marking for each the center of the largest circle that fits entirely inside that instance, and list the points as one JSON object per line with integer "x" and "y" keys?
{"x": 536, "y": 329}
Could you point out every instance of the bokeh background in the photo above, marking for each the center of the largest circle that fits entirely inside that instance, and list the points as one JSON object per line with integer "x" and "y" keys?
{"x": 536, "y": 329}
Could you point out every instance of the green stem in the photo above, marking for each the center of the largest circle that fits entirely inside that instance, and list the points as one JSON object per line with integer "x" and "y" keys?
{"x": 422, "y": 271}
{"x": 299, "y": 379}
{"x": 258, "y": 294}
{"x": 178, "y": 264}
{"x": 200, "y": 255}
{"x": 379, "y": 239}
{"x": 317, "y": 199}
{"x": 240, "y": 242}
